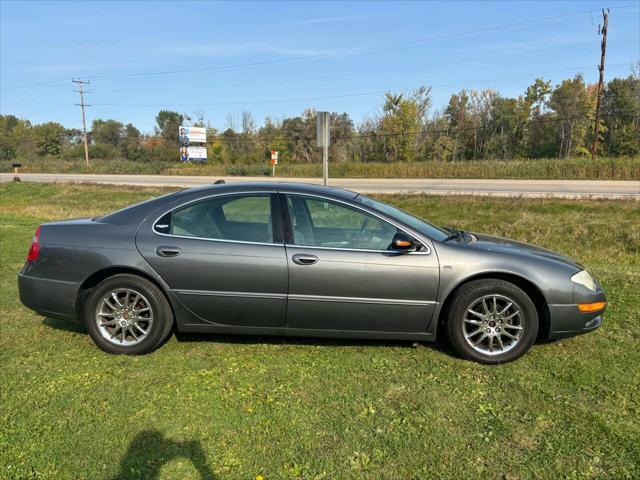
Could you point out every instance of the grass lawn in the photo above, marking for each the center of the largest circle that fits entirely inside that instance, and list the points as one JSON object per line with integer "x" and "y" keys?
{"x": 221, "y": 407}
{"x": 603, "y": 168}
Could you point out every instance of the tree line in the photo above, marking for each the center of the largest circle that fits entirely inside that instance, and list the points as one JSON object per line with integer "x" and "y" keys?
{"x": 545, "y": 121}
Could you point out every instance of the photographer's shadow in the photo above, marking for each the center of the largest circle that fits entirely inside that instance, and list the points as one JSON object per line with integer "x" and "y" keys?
{"x": 150, "y": 450}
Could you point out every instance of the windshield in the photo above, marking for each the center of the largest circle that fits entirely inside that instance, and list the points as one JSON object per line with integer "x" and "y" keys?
{"x": 416, "y": 223}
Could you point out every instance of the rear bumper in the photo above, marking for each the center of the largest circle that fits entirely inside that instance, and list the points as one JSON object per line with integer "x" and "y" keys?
{"x": 567, "y": 321}
{"x": 51, "y": 298}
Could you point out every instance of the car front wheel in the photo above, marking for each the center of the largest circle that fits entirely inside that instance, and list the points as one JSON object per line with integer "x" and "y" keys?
{"x": 127, "y": 314}
{"x": 492, "y": 321}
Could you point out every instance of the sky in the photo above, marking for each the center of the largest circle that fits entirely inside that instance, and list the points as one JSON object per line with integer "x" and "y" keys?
{"x": 277, "y": 59}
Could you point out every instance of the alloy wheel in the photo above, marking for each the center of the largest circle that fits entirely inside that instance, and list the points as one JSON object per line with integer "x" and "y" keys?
{"x": 493, "y": 324}
{"x": 124, "y": 317}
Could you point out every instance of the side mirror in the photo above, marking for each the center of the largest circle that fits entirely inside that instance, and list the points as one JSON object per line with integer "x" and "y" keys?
{"x": 403, "y": 243}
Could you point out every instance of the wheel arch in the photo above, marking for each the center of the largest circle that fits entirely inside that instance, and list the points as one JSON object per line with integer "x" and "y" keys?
{"x": 97, "y": 277}
{"x": 534, "y": 293}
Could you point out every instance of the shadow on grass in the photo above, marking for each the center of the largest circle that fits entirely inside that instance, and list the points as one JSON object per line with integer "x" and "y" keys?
{"x": 150, "y": 450}
{"x": 440, "y": 344}
{"x": 66, "y": 325}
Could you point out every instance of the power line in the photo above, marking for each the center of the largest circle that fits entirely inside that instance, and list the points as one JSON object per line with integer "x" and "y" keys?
{"x": 352, "y": 52}
{"x": 367, "y": 74}
{"x": 328, "y": 97}
{"x": 34, "y": 85}
{"x": 345, "y": 53}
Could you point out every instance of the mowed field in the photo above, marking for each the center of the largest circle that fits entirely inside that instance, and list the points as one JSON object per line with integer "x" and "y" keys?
{"x": 231, "y": 407}
{"x": 603, "y": 168}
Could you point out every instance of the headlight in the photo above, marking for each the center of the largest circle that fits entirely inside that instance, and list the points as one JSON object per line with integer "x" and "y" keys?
{"x": 583, "y": 278}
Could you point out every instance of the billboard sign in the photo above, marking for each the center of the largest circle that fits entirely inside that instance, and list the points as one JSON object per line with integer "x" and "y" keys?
{"x": 192, "y": 135}
{"x": 198, "y": 154}
{"x": 193, "y": 153}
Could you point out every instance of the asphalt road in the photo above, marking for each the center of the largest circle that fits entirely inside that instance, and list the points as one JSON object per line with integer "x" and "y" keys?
{"x": 502, "y": 188}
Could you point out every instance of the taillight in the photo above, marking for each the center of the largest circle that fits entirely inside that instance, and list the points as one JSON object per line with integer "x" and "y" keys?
{"x": 34, "y": 249}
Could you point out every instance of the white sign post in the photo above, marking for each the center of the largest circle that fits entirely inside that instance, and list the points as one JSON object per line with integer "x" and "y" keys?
{"x": 274, "y": 162}
{"x": 323, "y": 141}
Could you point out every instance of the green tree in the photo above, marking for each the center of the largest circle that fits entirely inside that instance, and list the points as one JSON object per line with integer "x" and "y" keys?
{"x": 540, "y": 130}
{"x": 571, "y": 101}
{"x": 8, "y": 144}
{"x": 130, "y": 144}
{"x": 167, "y": 125}
{"x": 49, "y": 138}
{"x": 402, "y": 121}
{"x": 457, "y": 114}
{"x": 621, "y": 114}
{"x": 107, "y": 132}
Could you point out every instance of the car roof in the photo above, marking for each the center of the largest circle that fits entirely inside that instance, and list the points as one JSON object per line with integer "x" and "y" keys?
{"x": 134, "y": 214}
{"x": 300, "y": 187}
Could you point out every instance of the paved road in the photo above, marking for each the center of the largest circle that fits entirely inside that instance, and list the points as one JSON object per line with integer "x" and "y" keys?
{"x": 502, "y": 188}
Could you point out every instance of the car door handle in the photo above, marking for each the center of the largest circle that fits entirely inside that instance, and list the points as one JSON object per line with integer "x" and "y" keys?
{"x": 302, "y": 259}
{"x": 168, "y": 251}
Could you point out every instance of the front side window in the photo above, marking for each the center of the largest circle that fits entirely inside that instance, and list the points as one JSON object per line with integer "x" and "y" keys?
{"x": 419, "y": 224}
{"x": 239, "y": 217}
{"x": 322, "y": 223}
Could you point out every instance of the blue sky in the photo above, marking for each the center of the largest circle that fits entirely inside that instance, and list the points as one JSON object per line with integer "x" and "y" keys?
{"x": 278, "y": 58}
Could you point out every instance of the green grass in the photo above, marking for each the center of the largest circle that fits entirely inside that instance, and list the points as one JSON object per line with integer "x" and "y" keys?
{"x": 241, "y": 407}
{"x": 623, "y": 168}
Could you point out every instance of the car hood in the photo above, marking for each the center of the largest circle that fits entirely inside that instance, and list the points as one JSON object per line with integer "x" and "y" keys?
{"x": 508, "y": 246}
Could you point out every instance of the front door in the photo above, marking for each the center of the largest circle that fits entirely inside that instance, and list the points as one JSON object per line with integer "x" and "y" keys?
{"x": 342, "y": 275}
{"x": 222, "y": 257}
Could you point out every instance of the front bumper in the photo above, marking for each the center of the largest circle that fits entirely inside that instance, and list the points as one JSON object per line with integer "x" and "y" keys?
{"x": 51, "y": 298}
{"x": 568, "y": 320}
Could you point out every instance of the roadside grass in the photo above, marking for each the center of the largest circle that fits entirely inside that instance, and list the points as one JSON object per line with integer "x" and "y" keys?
{"x": 232, "y": 407}
{"x": 622, "y": 168}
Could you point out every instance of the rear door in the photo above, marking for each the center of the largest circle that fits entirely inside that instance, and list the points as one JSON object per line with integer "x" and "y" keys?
{"x": 342, "y": 275}
{"x": 223, "y": 257}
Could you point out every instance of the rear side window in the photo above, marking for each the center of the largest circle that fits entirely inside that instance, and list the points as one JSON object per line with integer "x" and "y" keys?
{"x": 244, "y": 218}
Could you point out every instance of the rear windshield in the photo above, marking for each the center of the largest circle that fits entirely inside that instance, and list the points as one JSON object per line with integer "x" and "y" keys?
{"x": 416, "y": 223}
{"x": 130, "y": 208}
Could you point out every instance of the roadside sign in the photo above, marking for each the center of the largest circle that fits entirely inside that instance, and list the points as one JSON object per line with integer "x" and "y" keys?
{"x": 323, "y": 120}
{"x": 192, "y": 134}
{"x": 323, "y": 129}
{"x": 193, "y": 153}
{"x": 187, "y": 136}
{"x": 274, "y": 157}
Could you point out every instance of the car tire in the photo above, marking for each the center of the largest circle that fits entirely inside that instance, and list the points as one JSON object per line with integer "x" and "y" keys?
{"x": 127, "y": 314}
{"x": 492, "y": 321}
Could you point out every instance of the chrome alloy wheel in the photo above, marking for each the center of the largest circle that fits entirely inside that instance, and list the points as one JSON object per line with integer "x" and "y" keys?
{"x": 124, "y": 317}
{"x": 493, "y": 324}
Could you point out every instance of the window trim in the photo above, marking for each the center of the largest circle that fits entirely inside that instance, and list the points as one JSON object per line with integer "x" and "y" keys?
{"x": 288, "y": 239}
{"x": 275, "y": 225}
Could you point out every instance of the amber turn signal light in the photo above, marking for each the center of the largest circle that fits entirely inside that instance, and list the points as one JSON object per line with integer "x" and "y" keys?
{"x": 403, "y": 243}
{"x": 591, "y": 307}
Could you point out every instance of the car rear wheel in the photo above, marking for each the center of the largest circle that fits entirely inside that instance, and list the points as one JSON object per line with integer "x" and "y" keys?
{"x": 127, "y": 314}
{"x": 492, "y": 321}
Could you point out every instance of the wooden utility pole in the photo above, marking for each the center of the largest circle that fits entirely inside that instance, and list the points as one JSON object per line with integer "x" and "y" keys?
{"x": 603, "y": 45}
{"x": 81, "y": 91}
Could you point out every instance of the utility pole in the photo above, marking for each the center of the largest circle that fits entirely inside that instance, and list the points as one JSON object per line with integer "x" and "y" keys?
{"x": 603, "y": 45}
{"x": 81, "y": 91}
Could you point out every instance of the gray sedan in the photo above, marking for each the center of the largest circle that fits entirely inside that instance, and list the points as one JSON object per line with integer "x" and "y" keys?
{"x": 302, "y": 260}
